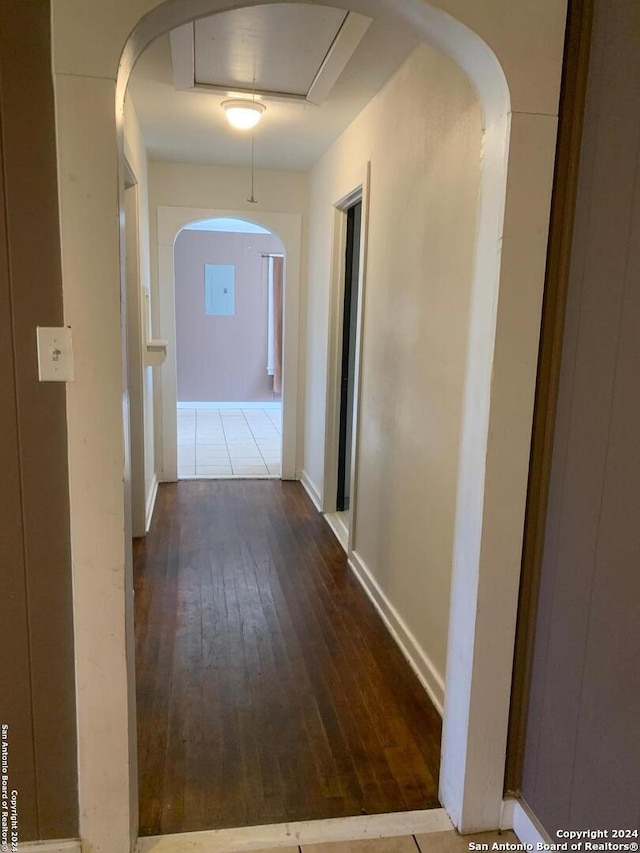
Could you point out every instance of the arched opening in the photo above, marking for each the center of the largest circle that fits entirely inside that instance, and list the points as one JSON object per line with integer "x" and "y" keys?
{"x": 470, "y": 53}
{"x": 286, "y": 228}
{"x": 166, "y": 239}
{"x": 489, "y": 504}
{"x": 229, "y": 279}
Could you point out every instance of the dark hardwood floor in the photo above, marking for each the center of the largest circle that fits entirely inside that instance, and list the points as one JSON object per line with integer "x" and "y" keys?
{"x": 268, "y": 688}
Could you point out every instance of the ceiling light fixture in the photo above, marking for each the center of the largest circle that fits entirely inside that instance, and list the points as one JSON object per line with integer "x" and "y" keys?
{"x": 243, "y": 114}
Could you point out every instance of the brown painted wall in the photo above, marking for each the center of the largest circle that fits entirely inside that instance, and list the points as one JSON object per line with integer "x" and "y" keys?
{"x": 37, "y": 698}
{"x": 223, "y": 359}
{"x": 582, "y": 756}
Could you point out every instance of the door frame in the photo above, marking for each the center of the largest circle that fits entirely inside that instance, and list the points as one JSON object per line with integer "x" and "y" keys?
{"x": 354, "y": 189}
{"x": 349, "y": 339}
{"x": 563, "y": 212}
{"x": 286, "y": 226}
{"x": 135, "y": 354}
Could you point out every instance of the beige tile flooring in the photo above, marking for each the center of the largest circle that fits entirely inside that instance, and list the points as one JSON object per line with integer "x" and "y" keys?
{"x": 422, "y": 831}
{"x": 432, "y": 842}
{"x": 229, "y": 442}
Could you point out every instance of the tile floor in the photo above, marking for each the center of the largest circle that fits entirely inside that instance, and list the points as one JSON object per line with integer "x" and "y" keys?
{"x": 430, "y": 842}
{"x": 434, "y": 842}
{"x": 229, "y": 442}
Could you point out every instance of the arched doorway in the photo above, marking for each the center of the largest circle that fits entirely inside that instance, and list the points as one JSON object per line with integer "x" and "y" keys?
{"x": 287, "y": 226}
{"x": 500, "y": 380}
{"x": 228, "y": 346}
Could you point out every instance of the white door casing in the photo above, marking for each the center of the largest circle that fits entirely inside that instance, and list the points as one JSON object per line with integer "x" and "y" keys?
{"x": 287, "y": 226}
{"x": 355, "y": 188}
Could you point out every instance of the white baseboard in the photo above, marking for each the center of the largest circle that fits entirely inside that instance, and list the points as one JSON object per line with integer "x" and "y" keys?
{"x": 66, "y": 846}
{"x": 428, "y": 675}
{"x": 259, "y": 405}
{"x": 517, "y": 815}
{"x": 506, "y": 815}
{"x": 336, "y": 523}
{"x": 311, "y": 489}
{"x": 291, "y": 835}
{"x": 151, "y": 502}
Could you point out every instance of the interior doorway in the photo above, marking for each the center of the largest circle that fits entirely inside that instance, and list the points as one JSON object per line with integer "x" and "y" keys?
{"x": 350, "y": 224}
{"x": 171, "y": 221}
{"x": 349, "y": 351}
{"x": 229, "y": 297}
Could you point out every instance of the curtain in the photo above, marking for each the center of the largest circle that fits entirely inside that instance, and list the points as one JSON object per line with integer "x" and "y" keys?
{"x": 278, "y": 270}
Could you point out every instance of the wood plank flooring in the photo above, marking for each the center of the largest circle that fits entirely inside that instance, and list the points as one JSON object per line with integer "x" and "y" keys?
{"x": 268, "y": 689}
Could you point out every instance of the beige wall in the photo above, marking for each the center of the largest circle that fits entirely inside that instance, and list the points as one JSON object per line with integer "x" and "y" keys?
{"x": 422, "y": 134}
{"x": 136, "y": 155}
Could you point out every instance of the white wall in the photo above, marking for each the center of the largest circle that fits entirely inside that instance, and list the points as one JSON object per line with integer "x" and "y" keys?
{"x": 422, "y": 134}
{"x": 227, "y": 188}
{"x": 135, "y": 153}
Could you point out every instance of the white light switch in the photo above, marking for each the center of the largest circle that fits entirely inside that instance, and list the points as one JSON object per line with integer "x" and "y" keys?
{"x": 55, "y": 355}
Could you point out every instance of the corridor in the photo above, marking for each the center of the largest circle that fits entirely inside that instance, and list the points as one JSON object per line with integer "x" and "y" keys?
{"x": 268, "y": 689}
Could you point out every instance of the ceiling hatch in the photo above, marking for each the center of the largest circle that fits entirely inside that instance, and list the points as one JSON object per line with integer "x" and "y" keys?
{"x": 289, "y": 51}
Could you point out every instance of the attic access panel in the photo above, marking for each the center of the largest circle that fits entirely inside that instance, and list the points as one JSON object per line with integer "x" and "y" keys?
{"x": 283, "y": 44}
{"x": 295, "y": 51}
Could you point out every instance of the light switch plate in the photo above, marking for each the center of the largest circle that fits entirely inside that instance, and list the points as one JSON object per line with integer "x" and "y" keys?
{"x": 55, "y": 354}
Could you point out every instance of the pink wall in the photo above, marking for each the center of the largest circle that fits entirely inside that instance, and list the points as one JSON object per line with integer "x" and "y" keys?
{"x": 223, "y": 359}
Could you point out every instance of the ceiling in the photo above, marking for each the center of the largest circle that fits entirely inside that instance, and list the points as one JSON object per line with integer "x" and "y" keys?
{"x": 315, "y": 68}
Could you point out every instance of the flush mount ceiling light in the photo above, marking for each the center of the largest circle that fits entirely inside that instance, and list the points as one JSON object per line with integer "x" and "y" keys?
{"x": 243, "y": 114}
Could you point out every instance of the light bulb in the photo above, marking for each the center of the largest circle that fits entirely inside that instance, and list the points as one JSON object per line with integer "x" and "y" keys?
{"x": 243, "y": 115}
